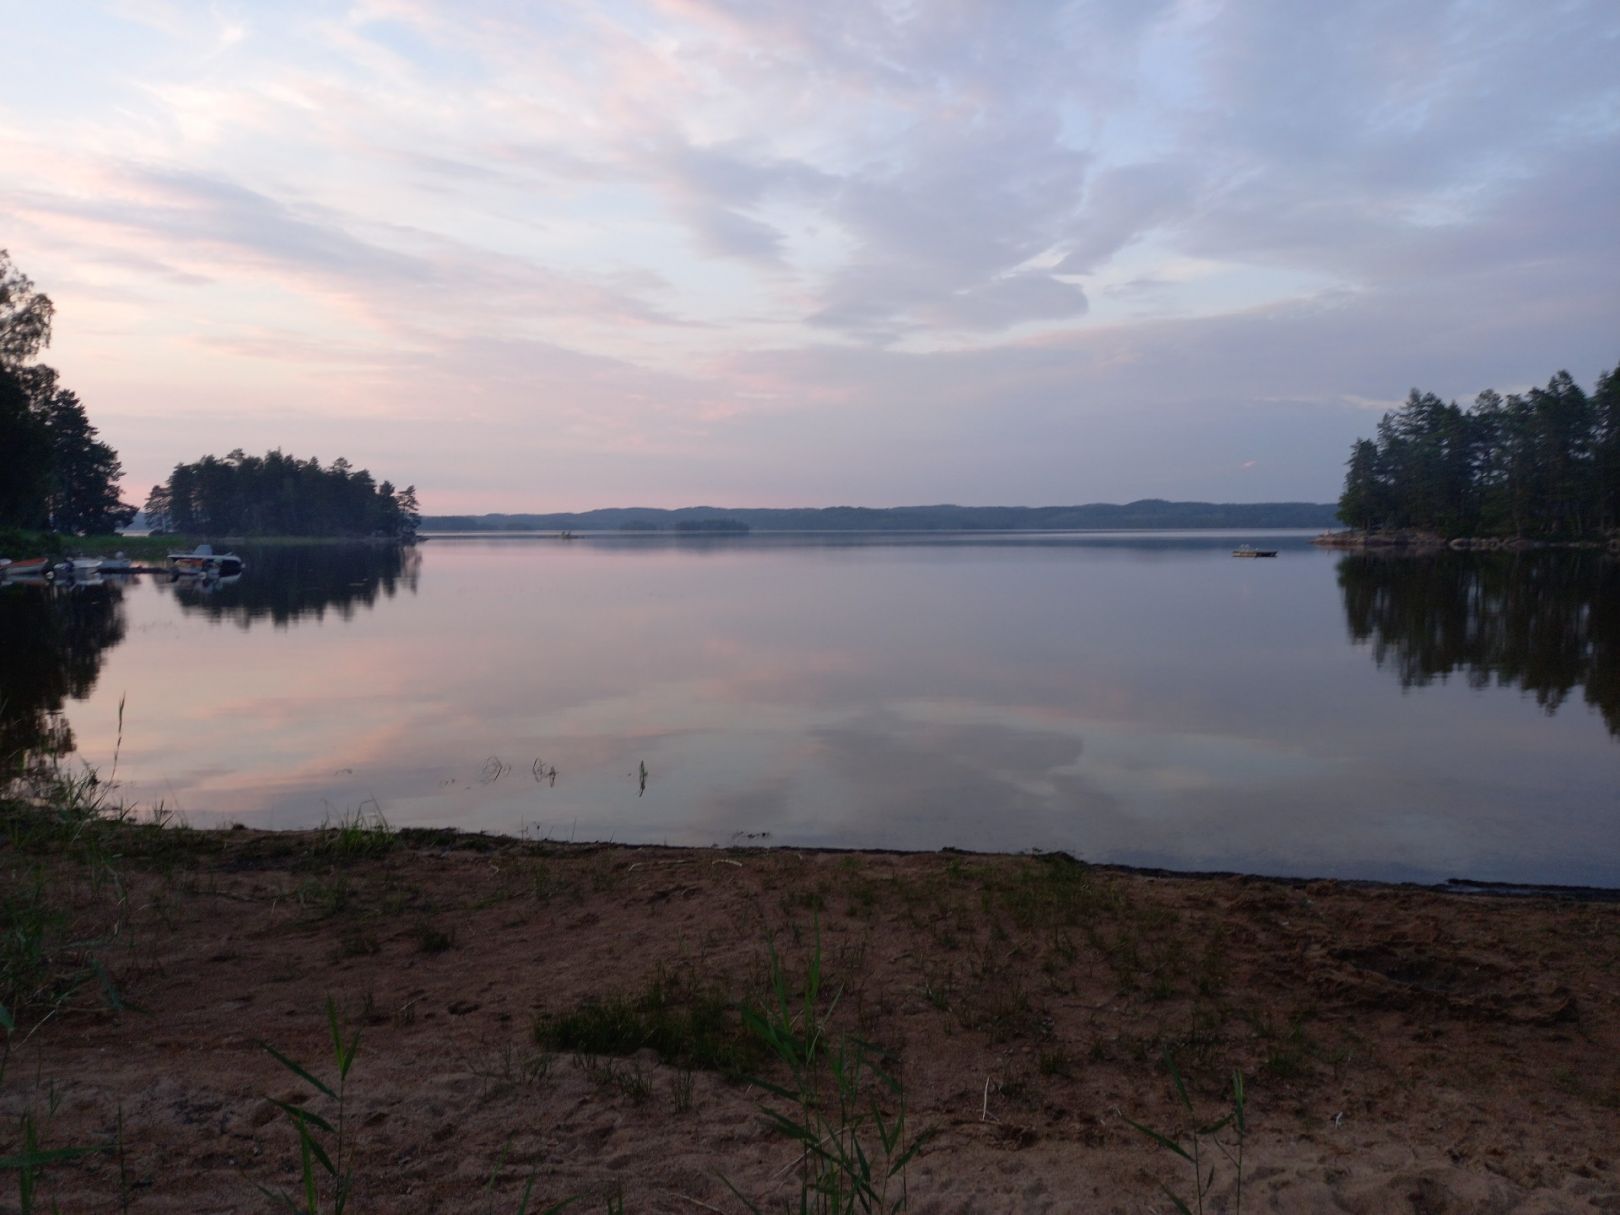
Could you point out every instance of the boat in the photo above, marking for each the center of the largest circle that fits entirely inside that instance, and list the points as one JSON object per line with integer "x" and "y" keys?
{"x": 1245, "y": 550}
{"x": 27, "y": 567}
{"x": 203, "y": 561}
{"x": 118, "y": 563}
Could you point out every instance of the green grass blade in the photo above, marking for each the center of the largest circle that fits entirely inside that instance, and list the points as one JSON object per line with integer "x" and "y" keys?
{"x": 726, "y": 1181}
{"x": 1161, "y": 1140}
{"x": 320, "y": 1155}
{"x": 332, "y": 1023}
{"x": 917, "y": 1145}
{"x": 347, "y": 1059}
{"x": 1175, "y": 1075}
{"x": 282, "y": 1199}
{"x": 299, "y": 1114}
{"x": 304, "y": 1141}
{"x": 297, "y": 1070}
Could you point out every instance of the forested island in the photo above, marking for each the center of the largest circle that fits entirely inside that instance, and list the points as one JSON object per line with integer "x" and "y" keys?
{"x": 1544, "y": 465}
{"x": 280, "y": 495}
{"x": 1145, "y": 514}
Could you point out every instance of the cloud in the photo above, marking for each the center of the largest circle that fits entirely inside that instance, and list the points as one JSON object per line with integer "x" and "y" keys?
{"x": 849, "y": 251}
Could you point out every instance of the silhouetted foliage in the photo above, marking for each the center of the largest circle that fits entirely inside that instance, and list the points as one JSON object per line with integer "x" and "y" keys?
{"x": 26, "y": 482}
{"x": 25, "y": 316}
{"x": 280, "y": 495}
{"x": 1544, "y": 464}
{"x": 58, "y": 474}
{"x": 1546, "y": 622}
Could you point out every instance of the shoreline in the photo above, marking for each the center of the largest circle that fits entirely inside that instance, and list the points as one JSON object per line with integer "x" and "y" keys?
{"x": 569, "y": 1014}
{"x": 1452, "y": 885}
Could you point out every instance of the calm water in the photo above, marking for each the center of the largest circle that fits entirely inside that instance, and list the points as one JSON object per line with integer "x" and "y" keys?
{"x": 1146, "y": 700}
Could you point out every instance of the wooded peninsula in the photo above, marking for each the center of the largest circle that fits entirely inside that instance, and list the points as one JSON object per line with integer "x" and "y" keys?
{"x": 1544, "y": 465}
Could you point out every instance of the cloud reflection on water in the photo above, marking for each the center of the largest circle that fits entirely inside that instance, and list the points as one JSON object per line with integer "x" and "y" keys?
{"x": 1162, "y": 706}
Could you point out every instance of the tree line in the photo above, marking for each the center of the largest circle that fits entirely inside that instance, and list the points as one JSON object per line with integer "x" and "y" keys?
{"x": 59, "y": 476}
{"x": 280, "y": 495}
{"x": 1543, "y": 464}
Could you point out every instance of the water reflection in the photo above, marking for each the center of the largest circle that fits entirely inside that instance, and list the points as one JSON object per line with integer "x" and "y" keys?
{"x": 54, "y": 638}
{"x": 1545, "y": 622}
{"x": 51, "y": 646}
{"x": 287, "y": 583}
{"x": 1144, "y": 700}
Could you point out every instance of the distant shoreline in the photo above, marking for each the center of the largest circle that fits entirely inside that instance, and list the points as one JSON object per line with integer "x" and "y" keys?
{"x": 1149, "y": 514}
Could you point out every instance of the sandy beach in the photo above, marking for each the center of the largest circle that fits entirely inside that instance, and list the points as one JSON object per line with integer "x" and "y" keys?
{"x": 563, "y": 1020}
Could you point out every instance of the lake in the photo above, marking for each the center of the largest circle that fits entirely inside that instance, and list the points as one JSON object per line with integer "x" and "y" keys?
{"x": 1134, "y": 698}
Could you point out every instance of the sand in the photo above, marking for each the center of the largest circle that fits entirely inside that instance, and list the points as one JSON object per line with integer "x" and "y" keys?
{"x": 1403, "y": 1049}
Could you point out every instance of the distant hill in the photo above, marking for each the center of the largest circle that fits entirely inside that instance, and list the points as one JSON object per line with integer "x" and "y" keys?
{"x": 1149, "y": 513}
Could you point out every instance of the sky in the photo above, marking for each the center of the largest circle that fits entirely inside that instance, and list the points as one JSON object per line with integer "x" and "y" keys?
{"x": 565, "y": 255}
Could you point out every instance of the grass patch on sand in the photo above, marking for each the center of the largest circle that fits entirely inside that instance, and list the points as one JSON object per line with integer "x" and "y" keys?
{"x": 685, "y": 1022}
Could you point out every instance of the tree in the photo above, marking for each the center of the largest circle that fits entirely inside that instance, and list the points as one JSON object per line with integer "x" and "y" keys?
{"x": 410, "y": 513}
{"x": 25, "y": 481}
{"x": 157, "y": 509}
{"x": 58, "y": 473}
{"x": 85, "y": 471}
{"x": 1606, "y": 447}
{"x": 25, "y": 316}
{"x": 1361, "y": 504}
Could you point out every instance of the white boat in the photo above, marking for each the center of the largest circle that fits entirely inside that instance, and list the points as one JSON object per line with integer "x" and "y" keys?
{"x": 1245, "y": 550}
{"x": 204, "y": 561}
{"x": 118, "y": 563}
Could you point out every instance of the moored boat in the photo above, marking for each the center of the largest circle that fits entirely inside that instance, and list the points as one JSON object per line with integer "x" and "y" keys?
{"x": 204, "y": 561}
{"x": 1245, "y": 550}
{"x": 26, "y": 567}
